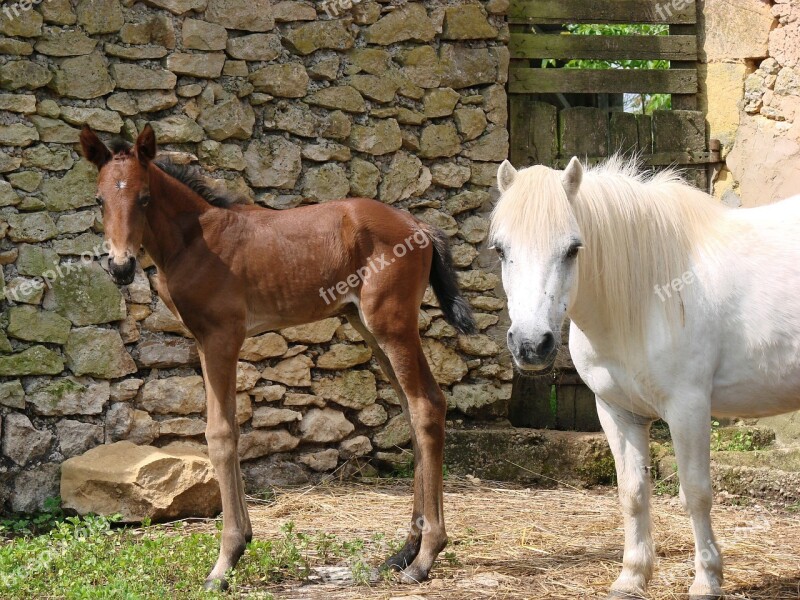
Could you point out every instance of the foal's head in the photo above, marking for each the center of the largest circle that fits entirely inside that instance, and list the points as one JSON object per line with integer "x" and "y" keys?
{"x": 537, "y": 238}
{"x": 123, "y": 193}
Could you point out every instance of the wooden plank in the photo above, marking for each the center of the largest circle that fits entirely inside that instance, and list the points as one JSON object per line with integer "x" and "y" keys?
{"x": 530, "y": 402}
{"x": 661, "y": 159}
{"x": 555, "y": 12}
{"x": 604, "y": 47}
{"x": 565, "y": 407}
{"x": 684, "y": 101}
{"x": 583, "y": 131}
{"x": 602, "y": 81}
{"x": 543, "y": 133}
{"x": 645, "y": 125}
{"x": 623, "y": 133}
{"x": 678, "y": 130}
{"x": 586, "y": 418}
{"x": 520, "y": 151}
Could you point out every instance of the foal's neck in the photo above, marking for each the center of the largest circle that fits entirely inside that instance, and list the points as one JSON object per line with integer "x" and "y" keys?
{"x": 173, "y": 212}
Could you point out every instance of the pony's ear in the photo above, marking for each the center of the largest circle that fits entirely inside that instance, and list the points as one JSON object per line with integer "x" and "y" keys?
{"x": 573, "y": 175}
{"x": 145, "y": 147}
{"x": 95, "y": 151}
{"x": 505, "y": 176}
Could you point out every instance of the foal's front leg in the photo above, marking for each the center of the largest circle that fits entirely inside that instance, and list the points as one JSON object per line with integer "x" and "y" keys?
{"x": 629, "y": 438}
{"x": 219, "y": 353}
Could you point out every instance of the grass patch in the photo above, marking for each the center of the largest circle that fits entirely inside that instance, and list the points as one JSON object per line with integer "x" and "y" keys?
{"x": 52, "y": 556}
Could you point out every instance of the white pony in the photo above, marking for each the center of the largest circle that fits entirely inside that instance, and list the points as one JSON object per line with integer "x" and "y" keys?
{"x": 681, "y": 308}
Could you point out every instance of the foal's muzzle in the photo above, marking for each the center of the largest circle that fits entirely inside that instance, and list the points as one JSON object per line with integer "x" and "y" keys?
{"x": 536, "y": 354}
{"x": 122, "y": 273}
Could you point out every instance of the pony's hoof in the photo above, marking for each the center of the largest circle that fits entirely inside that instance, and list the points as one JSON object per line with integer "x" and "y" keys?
{"x": 413, "y": 575}
{"x": 707, "y": 597}
{"x": 617, "y": 595}
{"x": 215, "y": 585}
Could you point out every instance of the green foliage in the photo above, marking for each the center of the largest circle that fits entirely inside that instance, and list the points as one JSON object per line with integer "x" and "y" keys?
{"x": 38, "y": 523}
{"x": 737, "y": 441}
{"x": 640, "y": 103}
{"x": 668, "y": 486}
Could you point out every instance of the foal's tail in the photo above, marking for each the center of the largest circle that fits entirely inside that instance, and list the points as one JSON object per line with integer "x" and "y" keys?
{"x": 456, "y": 310}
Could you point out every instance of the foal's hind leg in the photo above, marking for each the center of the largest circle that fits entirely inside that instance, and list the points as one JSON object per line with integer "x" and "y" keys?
{"x": 397, "y": 334}
{"x": 406, "y": 555}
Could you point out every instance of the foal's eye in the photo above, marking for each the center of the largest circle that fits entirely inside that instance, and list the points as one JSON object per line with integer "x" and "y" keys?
{"x": 144, "y": 201}
{"x": 99, "y": 199}
{"x": 500, "y": 252}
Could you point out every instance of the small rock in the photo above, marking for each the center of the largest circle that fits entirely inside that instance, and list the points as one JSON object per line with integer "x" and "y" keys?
{"x": 69, "y": 396}
{"x": 98, "y": 352}
{"x": 396, "y": 433}
{"x": 324, "y": 460}
{"x": 372, "y": 416}
{"x": 267, "y": 416}
{"x": 294, "y": 371}
{"x": 76, "y": 437}
{"x": 261, "y": 442}
{"x": 355, "y": 447}
{"x": 353, "y": 389}
{"x": 174, "y": 395}
{"x": 325, "y": 425}
{"x": 22, "y": 442}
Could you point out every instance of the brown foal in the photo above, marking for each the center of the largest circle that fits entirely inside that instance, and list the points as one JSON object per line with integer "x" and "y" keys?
{"x": 229, "y": 271}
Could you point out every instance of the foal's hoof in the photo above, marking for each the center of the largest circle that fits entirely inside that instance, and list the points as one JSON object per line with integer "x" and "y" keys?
{"x": 412, "y": 575}
{"x": 215, "y": 585}
{"x": 403, "y": 558}
{"x": 707, "y": 597}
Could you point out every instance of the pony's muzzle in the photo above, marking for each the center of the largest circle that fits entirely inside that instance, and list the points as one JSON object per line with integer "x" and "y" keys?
{"x": 533, "y": 354}
{"x": 122, "y": 273}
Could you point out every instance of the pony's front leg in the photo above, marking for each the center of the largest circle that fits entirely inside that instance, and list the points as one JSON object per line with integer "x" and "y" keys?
{"x": 629, "y": 438}
{"x": 690, "y": 429}
{"x": 218, "y": 355}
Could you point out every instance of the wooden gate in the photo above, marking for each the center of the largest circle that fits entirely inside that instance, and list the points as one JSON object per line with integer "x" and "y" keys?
{"x": 557, "y": 112}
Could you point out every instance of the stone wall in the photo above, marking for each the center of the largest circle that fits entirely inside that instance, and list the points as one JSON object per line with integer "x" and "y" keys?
{"x": 403, "y": 102}
{"x": 751, "y": 93}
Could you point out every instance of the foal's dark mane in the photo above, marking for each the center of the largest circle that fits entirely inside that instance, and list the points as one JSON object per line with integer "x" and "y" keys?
{"x": 191, "y": 177}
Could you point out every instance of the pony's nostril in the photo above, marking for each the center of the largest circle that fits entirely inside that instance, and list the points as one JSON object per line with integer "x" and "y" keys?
{"x": 546, "y": 344}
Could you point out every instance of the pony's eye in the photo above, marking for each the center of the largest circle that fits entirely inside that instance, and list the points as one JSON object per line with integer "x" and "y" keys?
{"x": 500, "y": 252}
{"x": 144, "y": 201}
{"x": 573, "y": 251}
{"x": 100, "y": 200}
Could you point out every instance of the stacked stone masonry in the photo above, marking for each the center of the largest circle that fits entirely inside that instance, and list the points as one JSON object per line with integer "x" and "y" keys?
{"x": 751, "y": 96}
{"x": 403, "y": 102}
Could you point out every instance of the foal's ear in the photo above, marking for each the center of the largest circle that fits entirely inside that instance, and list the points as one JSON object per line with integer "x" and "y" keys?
{"x": 573, "y": 175}
{"x": 145, "y": 148}
{"x": 505, "y": 176}
{"x": 95, "y": 151}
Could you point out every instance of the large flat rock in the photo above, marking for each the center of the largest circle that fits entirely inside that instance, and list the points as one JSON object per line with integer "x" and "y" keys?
{"x": 140, "y": 482}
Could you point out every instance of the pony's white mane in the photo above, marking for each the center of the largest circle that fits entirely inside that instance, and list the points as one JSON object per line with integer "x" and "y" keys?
{"x": 640, "y": 229}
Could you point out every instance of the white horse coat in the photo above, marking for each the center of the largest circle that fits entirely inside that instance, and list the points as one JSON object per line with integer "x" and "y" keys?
{"x": 681, "y": 308}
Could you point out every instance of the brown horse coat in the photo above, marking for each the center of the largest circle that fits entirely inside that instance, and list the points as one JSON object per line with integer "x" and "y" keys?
{"x": 230, "y": 271}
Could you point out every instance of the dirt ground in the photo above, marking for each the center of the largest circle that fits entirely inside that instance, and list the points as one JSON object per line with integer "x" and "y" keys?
{"x": 511, "y": 542}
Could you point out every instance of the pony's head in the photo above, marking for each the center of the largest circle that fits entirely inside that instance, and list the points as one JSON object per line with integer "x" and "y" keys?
{"x": 536, "y": 236}
{"x": 123, "y": 194}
